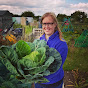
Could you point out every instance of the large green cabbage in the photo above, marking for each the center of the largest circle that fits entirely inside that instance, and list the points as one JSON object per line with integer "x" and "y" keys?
{"x": 30, "y": 62}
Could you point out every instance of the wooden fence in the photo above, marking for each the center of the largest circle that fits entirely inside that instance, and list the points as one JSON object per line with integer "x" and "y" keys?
{"x": 36, "y": 33}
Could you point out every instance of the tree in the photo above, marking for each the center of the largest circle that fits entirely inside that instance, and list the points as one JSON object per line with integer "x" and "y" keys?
{"x": 60, "y": 17}
{"x": 27, "y": 14}
{"x": 16, "y": 15}
{"x": 78, "y": 17}
{"x": 86, "y": 20}
{"x": 37, "y": 18}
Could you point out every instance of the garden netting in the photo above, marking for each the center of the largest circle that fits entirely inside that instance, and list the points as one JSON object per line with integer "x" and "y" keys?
{"x": 82, "y": 40}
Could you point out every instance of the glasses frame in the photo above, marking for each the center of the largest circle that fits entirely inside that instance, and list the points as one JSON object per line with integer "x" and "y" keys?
{"x": 48, "y": 24}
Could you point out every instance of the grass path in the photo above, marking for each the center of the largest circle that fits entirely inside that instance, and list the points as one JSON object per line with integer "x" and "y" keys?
{"x": 77, "y": 59}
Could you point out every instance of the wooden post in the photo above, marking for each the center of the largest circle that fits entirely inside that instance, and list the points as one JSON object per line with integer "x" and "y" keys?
{"x": 23, "y": 34}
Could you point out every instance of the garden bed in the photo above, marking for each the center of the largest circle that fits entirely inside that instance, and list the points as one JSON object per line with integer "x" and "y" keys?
{"x": 77, "y": 77}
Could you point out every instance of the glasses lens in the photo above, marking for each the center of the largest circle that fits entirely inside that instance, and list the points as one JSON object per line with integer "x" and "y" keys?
{"x": 49, "y": 24}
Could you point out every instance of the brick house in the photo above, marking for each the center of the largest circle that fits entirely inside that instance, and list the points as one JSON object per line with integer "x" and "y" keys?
{"x": 5, "y": 19}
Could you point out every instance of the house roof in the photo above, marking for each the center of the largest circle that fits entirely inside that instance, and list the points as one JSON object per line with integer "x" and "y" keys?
{"x": 2, "y": 12}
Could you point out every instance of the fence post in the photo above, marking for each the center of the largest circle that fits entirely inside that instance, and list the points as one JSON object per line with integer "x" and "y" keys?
{"x": 23, "y": 33}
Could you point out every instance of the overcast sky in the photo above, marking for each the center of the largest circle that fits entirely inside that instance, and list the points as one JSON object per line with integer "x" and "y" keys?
{"x": 39, "y": 7}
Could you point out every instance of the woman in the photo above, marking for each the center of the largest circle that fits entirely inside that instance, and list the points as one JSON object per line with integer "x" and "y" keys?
{"x": 52, "y": 35}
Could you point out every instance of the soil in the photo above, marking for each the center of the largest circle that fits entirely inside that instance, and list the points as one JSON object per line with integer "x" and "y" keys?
{"x": 69, "y": 76}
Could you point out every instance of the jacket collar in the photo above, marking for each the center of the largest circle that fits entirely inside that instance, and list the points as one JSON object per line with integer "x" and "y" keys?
{"x": 51, "y": 37}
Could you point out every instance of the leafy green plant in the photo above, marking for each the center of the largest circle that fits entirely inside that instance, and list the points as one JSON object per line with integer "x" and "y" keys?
{"x": 30, "y": 62}
{"x": 16, "y": 25}
{"x": 28, "y": 29}
{"x": 79, "y": 82}
{"x": 10, "y": 81}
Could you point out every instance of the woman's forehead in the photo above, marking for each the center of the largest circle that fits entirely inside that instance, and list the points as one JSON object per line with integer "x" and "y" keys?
{"x": 48, "y": 18}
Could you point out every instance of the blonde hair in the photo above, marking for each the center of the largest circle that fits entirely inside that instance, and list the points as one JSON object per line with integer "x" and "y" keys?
{"x": 55, "y": 21}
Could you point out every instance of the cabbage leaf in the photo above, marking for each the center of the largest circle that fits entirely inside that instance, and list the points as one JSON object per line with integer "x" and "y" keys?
{"x": 30, "y": 62}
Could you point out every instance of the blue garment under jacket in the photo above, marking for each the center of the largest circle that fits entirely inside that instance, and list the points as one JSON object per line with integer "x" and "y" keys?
{"x": 61, "y": 47}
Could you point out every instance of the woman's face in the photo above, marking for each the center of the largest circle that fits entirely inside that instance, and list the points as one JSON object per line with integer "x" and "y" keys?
{"x": 48, "y": 26}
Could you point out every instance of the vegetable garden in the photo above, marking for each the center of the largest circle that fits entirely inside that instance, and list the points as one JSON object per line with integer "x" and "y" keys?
{"x": 76, "y": 61}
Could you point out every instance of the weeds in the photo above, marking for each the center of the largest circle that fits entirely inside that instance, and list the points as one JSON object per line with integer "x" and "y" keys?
{"x": 79, "y": 82}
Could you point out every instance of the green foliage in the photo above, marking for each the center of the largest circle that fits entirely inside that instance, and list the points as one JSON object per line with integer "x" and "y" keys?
{"x": 30, "y": 64}
{"x": 17, "y": 26}
{"x": 1, "y": 80}
{"x": 9, "y": 57}
{"x": 77, "y": 56}
{"x": 9, "y": 81}
{"x": 27, "y": 14}
{"x": 70, "y": 36}
{"x": 22, "y": 49}
{"x": 28, "y": 29}
{"x": 60, "y": 17}
{"x": 82, "y": 40}
{"x": 79, "y": 16}
{"x": 37, "y": 18}
{"x": 7, "y": 84}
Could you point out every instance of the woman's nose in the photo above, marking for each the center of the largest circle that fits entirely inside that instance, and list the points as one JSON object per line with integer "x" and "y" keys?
{"x": 47, "y": 25}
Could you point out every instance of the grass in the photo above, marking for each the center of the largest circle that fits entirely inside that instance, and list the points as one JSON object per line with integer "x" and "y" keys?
{"x": 26, "y": 33}
{"x": 28, "y": 29}
{"x": 77, "y": 58}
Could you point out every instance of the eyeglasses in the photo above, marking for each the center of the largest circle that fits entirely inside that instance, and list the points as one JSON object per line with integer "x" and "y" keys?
{"x": 49, "y": 24}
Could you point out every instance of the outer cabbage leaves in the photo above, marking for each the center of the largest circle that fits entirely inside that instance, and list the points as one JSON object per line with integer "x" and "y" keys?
{"x": 30, "y": 62}
{"x": 9, "y": 58}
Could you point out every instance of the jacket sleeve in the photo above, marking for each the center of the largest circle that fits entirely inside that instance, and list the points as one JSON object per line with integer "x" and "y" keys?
{"x": 62, "y": 48}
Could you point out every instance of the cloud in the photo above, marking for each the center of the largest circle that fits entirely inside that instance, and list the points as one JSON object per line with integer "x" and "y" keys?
{"x": 81, "y": 7}
{"x": 41, "y": 6}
